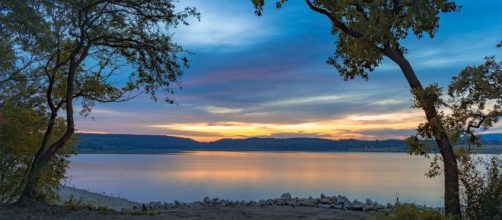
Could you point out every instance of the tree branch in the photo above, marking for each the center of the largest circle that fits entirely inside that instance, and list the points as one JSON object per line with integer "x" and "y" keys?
{"x": 337, "y": 23}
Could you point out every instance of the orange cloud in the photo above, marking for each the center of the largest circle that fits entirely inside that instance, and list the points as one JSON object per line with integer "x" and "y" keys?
{"x": 350, "y": 126}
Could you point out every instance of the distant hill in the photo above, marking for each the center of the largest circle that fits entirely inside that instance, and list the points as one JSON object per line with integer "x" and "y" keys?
{"x": 125, "y": 143}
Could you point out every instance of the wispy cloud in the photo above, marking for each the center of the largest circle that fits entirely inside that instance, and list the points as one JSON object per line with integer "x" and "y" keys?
{"x": 219, "y": 110}
{"x": 216, "y": 30}
{"x": 307, "y": 100}
{"x": 389, "y": 102}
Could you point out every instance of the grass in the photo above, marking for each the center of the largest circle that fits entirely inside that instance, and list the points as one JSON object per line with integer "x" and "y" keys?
{"x": 79, "y": 204}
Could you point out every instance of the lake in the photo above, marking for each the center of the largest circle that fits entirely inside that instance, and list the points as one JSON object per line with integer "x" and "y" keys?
{"x": 190, "y": 176}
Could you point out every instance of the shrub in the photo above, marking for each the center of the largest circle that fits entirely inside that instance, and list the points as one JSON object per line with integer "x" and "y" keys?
{"x": 411, "y": 212}
{"x": 481, "y": 188}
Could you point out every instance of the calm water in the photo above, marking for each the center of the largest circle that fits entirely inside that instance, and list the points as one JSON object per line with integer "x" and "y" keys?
{"x": 257, "y": 175}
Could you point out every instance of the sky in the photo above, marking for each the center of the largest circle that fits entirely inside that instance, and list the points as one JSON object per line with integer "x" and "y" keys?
{"x": 267, "y": 77}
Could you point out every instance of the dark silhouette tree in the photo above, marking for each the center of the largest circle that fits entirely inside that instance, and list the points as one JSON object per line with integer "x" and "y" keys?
{"x": 367, "y": 31}
{"x": 78, "y": 49}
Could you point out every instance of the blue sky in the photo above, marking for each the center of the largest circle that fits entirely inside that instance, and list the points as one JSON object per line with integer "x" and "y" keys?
{"x": 267, "y": 76}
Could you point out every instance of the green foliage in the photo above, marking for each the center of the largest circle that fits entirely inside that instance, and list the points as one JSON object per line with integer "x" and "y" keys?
{"x": 418, "y": 147}
{"x": 476, "y": 99}
{"x": 79, "y": 204}
{"x": 473, "y": 104}
{"x": 21, "y": 132}
{"x": 365, "y": 28}
{"x": 481, "y": 188}
{"x": 411, "y": 212}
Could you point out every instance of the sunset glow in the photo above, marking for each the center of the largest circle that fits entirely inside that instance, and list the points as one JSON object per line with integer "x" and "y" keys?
{"x": 351, "y": 126}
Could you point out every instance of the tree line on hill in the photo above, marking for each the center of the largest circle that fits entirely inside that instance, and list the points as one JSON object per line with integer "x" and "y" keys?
{"x": 124, "y": 143}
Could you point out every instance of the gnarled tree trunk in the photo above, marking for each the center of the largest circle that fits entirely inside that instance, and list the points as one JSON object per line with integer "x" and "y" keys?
{"x": 46, "y": 151}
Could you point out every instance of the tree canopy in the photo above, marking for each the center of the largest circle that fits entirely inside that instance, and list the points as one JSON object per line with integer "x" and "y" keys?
{"x": 74, "y": 49}
{"x": 366, "y": 30}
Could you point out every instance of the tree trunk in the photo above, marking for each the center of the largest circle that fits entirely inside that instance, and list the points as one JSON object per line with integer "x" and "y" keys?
{"x": 451, "y": 184}
{"x": 44, "y": 155}
{"x": 38, "y": 164}
{"x": 29, "y": 193}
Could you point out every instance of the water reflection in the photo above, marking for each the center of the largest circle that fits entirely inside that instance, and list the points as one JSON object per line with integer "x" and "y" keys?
{"x": 257, "y": 175}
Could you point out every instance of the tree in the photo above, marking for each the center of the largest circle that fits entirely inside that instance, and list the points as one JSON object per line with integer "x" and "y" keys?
{"x": 22, "y": 124}
{"x": 472, "y": 106}
{"x": 80, "y": 46}
{"x": 369, "y": 30}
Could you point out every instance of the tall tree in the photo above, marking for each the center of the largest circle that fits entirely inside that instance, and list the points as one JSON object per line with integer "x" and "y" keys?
{"x": 80, "y": 47}
{"x": 367, "y": 31}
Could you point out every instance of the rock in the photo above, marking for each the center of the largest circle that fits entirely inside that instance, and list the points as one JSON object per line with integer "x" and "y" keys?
{"x": 268, "y": 202}
{"x": 281, "y": 202}
{"x": 262, "y": 202}
{"x": 293, "y": 202}
{"x": 166, "y": 205}
{"x": 342, "y": 199}
{"x": 307, "y": 202}
{"x": 324, "y": 206}
{"x": 339, "y": 206}
{"x": 157, "y": 205}
{"x": 333, "y": 199}
{"x": 286, "y": 196}
{"x": 369, "y": 202}
{"x": 357, "y": 207}
{"x": 344, "y": 202}
{"x": 206, "y": 200}
{"x": 215, "y": 201}
{"x": 324, "y": 201}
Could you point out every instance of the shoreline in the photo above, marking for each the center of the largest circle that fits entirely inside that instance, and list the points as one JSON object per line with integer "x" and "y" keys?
{"x": 67, "y": 193}
{"x": 284, "y": 207}
{"x": 337, "y": 202}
